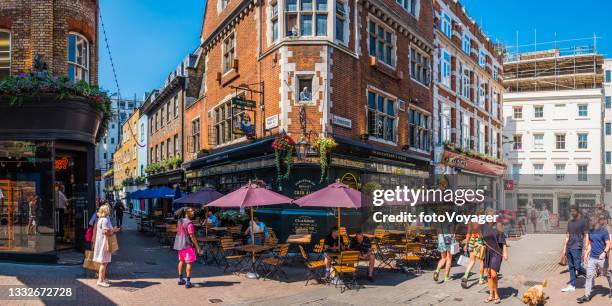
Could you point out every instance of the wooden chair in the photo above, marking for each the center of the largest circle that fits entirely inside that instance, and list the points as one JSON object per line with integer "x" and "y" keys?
{"x": 411, "y": 259}
{"x": 228, "y": 256}
{"x": 314, "y": 266}
{"x": 259, "y": 238}
{"x": 273, "y": 265}
{"x": 384, "y": 254}
{"x": 318, "y": 248}
{"x": 347, "y": 267}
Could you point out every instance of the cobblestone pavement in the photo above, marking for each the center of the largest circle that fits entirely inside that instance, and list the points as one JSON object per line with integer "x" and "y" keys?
{"x": 143, "y": 273}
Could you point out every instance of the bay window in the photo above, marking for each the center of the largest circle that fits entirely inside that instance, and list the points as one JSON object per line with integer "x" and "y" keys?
{"x": 381, "y": 116}
{"x": 312, "y": 17}
{"x": 382, "y": 44}
{"x": 78, "y": 58}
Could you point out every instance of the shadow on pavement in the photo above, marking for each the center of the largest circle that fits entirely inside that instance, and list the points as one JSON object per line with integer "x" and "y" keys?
{"x": 215, "y": 284}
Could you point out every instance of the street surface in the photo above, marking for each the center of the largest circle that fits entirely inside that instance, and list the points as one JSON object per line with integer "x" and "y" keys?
{"x": 143, "y": 273}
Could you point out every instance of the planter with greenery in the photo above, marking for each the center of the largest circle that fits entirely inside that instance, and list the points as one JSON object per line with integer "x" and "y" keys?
{"x": 324, "y": 145}
{"x": 283, "y": 146}
{"x": 471, "y": 153}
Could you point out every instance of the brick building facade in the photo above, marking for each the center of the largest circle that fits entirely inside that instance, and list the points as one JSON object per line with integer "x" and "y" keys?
{"x": 468, "y": 98}
{"x": 164, "y": 109}
{"x": 361, "y": 71}
{"x": 63, "y": 32}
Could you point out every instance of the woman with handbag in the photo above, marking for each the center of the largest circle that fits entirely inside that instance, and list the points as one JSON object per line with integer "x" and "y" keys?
{"x": 475, "y": 247}
{"x": 102, "y": 246}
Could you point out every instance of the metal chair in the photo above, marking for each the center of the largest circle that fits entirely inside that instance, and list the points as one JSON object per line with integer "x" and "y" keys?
{"x": 347, "y": 266}
{"x": 273, "y": 265}
{"x": 228, "y": 256}
{"x": 314, "y": 266}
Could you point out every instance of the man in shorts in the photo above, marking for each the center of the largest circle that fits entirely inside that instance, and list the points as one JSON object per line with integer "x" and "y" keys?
{"x": 184, "y": 243}
{"x": 363, "y": 244}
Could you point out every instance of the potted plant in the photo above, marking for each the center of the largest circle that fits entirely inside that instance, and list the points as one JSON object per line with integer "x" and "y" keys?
{"x": 324, "y": 145}
{"x": 283, "y": 146}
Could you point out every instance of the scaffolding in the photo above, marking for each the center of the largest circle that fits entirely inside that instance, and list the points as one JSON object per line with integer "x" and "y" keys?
{"x": 555, "y": 65}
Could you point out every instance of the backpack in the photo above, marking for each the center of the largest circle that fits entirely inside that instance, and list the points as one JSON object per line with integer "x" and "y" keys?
{"x": 182, "y": 242}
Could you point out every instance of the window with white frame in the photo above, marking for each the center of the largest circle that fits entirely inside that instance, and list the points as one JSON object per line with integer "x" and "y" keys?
{"x": 445, "y": 123}
{"x": 560, "y": 172}
{"x": 608, "y": 77}
{"x": 341, "y": 21}
{"x": 381, "y": 43}
{"x": 538, "y": 141}
{"x": 229, "y": 52}
{"x": 608, "y": 185}
{"x": 538, "y": 170}
{"x": 381, "y": 116}
{"x": 222, "y": 123}
{"x": 224, "y": 4}
{"x": 176, "y": 107}
{"x": 516, "y": 171}
{"x": 168, "y": 109}
{"x": 445, "y": 67}
{"x": 608, "y": 157}
{"x": 480, "y": 137}
{"x": 5, "y": 54}
{"x": 446, "y": 25}
{"x": 78, "y": 58}
{"x": 517, "y": 112}
{"x": 538, "y": 111}
{"x": 419, "y": 130}
{"x": 465, "y": 82}
{"x": 608, "y": 102}
{"x": 517, "y": 142}
{"x": 495, "y": 73}
{"x": 494, "y": 143}
{"x": 409, "y": 5}
{"x": 304, "y": 92}
{"x": 419, "y": 66}
{"x": 482, "y": 58}
{"x": 582, "y": 172}
{"x": 465, "y": 130}
{"x": 608, "y": 128}
{"x": 177, "y": 145}
{"x": 481, "y": 92}
{"x": 583, "y": 110}
{"x": 195, "y": 135}
{"x": 466, "y": 44}
{"x": 306, "y": 17}
{"x": 583, "y": 140}
{"x": 274, "y": 20}
{"x": 161, "y": 114}
{"x": 560, "y": 141}
{"x": 494, "y": 104}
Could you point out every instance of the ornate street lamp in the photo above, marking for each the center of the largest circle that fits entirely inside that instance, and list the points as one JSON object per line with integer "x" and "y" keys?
{"x": 302, "y": 147}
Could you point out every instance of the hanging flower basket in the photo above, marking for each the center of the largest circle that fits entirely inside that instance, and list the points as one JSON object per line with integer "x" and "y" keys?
{"x": 324, "y": 145}
{"x": 283, "y": 147}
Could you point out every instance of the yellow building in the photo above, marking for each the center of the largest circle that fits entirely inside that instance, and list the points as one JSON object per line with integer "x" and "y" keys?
{"x": 125, "y": 160}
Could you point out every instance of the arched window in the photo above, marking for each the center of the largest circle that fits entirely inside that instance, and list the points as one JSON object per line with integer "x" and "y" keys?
{"x": 5, "y": 54}
{"x": 78, "y": 58}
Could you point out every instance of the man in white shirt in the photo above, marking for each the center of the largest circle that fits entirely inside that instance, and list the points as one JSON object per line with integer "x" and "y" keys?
{"x": 60, "y": 206}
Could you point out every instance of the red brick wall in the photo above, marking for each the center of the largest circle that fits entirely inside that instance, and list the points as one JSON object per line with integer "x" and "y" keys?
{"x": 42, "y": 27}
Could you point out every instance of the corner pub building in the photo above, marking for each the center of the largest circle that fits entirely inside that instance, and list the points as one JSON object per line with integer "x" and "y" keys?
{"x": 354, "y": 71}
{"x": 47, "y": 142}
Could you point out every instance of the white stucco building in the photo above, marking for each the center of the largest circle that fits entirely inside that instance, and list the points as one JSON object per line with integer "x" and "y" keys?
{"x": 607, "y": 86}
{"x": 553, "y": 131}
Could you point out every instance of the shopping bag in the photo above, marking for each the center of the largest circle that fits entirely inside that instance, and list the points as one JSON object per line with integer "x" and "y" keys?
{"x": 89, "y": 233}
{"x": 563, "y": 260}
{"x": 111, "y": 244}
{"x": 463, "y": 260}
{"x": 88, "y": 262}
{"x": 454, "y": 248}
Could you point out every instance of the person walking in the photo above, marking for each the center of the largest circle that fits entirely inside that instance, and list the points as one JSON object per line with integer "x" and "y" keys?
{"x": 475, "y": 247}
{"x": 446, "y": 237}
{"x": 595, "y": 253}
{"x": 576, "y": 237}
{"x": 545, "y": 217}
{"x": 496, "y": 250}
{"x": 533, "y": 217}
{"x": 184, "y": 243}
{"x": 119, "y": 209}
{"x": 101, "y": 254}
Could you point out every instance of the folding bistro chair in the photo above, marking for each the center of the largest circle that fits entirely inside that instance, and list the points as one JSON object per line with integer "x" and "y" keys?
{"x": 273, "y": 265}
{"x": 347, "y": 267}
{"x": 314, "y": 267}
{"x": 386, "y": 256}
{"x": 228, "y": 256}
{"x": 412, "y": 259}
{"x": 318, "y": 249}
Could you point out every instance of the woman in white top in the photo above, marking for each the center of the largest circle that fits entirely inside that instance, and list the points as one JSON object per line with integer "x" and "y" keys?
{"x": 104, "y": 229}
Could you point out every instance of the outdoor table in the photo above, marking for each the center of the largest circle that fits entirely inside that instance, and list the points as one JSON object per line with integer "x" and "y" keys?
{"x": 371, "y": 236}
{"x": 253, "y": 249}
{"x": 208, "y": 247}
{"x": 299, "y": 239}
{"x": 218, "y": 228}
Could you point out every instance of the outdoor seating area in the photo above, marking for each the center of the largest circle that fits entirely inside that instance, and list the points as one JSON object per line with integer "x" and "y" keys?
{"x": 233, "y": 248}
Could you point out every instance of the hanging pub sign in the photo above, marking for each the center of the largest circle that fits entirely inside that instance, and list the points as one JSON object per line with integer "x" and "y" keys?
{"x": 243, "y": 115}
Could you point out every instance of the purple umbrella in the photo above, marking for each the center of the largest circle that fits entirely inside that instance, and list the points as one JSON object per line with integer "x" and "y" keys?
{"x": 203, "y": 196}
{"x": 336, "y": 195}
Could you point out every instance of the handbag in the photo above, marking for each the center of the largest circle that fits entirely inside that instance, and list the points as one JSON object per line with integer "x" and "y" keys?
{"x": 463, "y": 260}
{"x": 89, "y": 233}
{"x": 454, "y": 248}
{"x": 111, "y": 243}
{"x": 88, "y": 262}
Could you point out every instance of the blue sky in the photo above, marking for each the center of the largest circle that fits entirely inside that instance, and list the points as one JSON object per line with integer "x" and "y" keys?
{"x": 148, "y": 38}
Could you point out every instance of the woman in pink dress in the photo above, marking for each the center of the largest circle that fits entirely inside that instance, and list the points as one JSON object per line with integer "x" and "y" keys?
{"x": 101, "y": 254}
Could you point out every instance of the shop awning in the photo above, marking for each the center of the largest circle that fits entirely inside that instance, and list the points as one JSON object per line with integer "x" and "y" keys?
{"x": 152, "y": 193}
